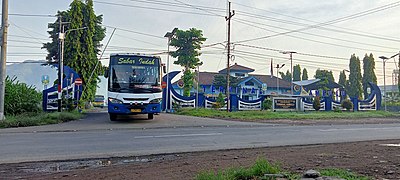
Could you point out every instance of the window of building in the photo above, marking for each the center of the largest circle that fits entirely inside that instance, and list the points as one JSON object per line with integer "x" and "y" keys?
{"x": 239, "y": 74}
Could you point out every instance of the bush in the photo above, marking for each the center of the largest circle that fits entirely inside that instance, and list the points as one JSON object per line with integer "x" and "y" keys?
{"x": 317, "y": 103}
{"x": 220, "y": 101}
{"x": 267, "y": 104}
{"x": 20, "y": 98}
{"x": 347, "y": 104}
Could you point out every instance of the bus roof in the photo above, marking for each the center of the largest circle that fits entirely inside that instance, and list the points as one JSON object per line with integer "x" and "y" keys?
{"x": 134, "y": 54}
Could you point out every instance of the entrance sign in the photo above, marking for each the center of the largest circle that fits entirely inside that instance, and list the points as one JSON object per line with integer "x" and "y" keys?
{"x": 78, "y": 81}
{"x": 285, "y": 104}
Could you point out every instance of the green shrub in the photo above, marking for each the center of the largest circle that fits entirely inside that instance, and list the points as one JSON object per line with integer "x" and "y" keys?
{"x": 267, "y": 104}
{"x": 20, "y": 98}
{"x": 317, "y": 103}
{"x": 220, "y": 101}
{"x": 347, "y": 104}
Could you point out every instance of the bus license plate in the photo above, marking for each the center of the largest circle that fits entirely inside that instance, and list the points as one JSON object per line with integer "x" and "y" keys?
{"x": 136, "y": 110}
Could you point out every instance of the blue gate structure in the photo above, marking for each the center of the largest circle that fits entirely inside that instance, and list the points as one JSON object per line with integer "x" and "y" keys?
{"x": 69, "y": 89}
{"x": 200, "y": 100}
{"x": 373, "y": 102}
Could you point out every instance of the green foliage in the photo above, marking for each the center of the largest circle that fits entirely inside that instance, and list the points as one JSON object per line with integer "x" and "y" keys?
{"x": 305, "y": 74}
{"x": 37, "y": 119}
{"x": 267, "y": 104}
{"x": 325, "y": 77}
{"x": 340, "y": 173}
{"x": 81, "y": 45}
{"x": 343, "y": 81}
{"x": 220, "y": 102}
{"x": 287, "y": 76}
{"x": 20, "y": 98}
{"x": 188, "y": 44}
{"x": 256, "y": 171}
{"x": 269, "y": 115}
{"x": 220, "y": 81}
{"x": 317, "y": 103}
{"x": 297, "y": 73}
{"x": 369, "y": 72}
{"x": 347, "y": 104}
{"x": 355, "y": 88}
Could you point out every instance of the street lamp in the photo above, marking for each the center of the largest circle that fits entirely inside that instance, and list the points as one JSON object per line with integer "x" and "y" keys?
{"x": 168, "y": 35}
{"x": 61, "y": 37}
{"x": 384, "y": 59}
{"x": 291, "y": 68}
{"x": 277, "y": 76}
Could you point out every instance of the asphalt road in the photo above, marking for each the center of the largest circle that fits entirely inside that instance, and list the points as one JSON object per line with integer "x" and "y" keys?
{"x": 97, "y": 137}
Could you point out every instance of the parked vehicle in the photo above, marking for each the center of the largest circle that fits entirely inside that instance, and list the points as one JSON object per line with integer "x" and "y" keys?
{"x": 99, "y": 101}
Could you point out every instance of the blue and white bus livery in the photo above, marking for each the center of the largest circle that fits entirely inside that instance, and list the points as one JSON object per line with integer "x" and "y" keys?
{"x": 134, "y": 85}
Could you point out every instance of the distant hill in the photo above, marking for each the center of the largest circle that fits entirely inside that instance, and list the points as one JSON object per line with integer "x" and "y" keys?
{"x": 31, "y": 72}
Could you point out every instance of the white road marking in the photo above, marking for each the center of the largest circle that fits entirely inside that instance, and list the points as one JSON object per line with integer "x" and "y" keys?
{"x": 177, "y": 135}
{"x": 391, "y": 145}
{"x": 358, "y": 129}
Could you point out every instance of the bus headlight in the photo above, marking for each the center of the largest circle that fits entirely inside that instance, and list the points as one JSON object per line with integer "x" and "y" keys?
{"x": 156, "y": 101}
{"x": 114, "y": 100}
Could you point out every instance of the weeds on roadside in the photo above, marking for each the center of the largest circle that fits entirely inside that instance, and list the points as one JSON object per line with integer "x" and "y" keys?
{"x": 37, "y": 119}
{"x": 340, "y": 173}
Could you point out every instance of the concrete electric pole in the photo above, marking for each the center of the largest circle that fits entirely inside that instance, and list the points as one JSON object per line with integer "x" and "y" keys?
{"x": 228, "y": 18}
{"x": 4, "y": 28}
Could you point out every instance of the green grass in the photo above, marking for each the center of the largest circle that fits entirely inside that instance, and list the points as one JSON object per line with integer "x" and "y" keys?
{"x": 38, "y": 119}
{"x": 256, "y": 171}
{"x": 343, "y": 174}
{"x": 262, "y": 167}
{"x": 258, "y": 115}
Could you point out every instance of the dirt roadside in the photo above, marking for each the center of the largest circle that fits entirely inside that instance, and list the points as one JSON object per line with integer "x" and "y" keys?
{"x": 371, "y": 158}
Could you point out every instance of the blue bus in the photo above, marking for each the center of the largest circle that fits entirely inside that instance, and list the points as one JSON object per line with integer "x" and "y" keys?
{"x": 134, "y": 85}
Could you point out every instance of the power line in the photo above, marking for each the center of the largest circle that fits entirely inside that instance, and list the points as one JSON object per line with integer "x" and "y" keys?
{"x": 172, "y": 4}
{"x": 32, "y": 15}
{"x": 297, "y": 23}
{"x": 328, "y": 37}
{"x": 153, "y": 8}
{"x": 135, "y": 32}
{"x": 356, "y": 15}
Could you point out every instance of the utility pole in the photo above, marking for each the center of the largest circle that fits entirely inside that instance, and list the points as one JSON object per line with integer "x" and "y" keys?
{"x": 4, "y": 28}
{"x": 228, "y": 18}
{"x": 291, "y": 68}
{"x": 60, "y": 63}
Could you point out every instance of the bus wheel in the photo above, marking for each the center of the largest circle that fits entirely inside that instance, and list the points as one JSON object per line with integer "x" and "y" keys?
{"x": 113, "y": 117}
{"x": 150, "y": 116}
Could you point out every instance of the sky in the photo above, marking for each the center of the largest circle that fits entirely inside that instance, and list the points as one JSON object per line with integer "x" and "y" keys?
{"x": 348, "y": 27}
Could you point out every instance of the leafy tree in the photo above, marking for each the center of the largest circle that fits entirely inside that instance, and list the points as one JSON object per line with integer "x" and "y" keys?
{"x": 369, "y": 72}
{"x": 343, "y": 81}
{"x": 297, "y": 73}
{"x": 287, "y": 76}
{"x": 355, "y": 88}
{"x": 81, "y": 45}
{"x": 220, "y": 81}
{"x": 305, "y": 74}
{"x": 188, "y": 44}
{"x": 325, "y": 77}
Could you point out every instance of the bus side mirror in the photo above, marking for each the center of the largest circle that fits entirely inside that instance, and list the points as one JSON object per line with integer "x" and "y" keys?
{"x": 164, "y": 69}
{"x": 106, "y": 71}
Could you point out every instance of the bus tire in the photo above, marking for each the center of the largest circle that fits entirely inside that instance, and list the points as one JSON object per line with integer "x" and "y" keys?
{"x": 113, "y": 117}
{"x": 150, "y": 116}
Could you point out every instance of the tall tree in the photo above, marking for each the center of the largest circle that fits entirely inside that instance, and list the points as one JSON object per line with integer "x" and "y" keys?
{"x": 305, "y": 75}
{"x": 325, "y": 77}
{"x": 342, "y": 78}
{"x": 287, "y": 76}
{"x": 369, "y": 72}
{"x": 188, "y": 44}
{"x": 81, "y": 45}
{"x": 53, "y": 46}
{"x": 220, "y": 81}
{"x": 355, "y": 78}
{"x": 297, "y": 73}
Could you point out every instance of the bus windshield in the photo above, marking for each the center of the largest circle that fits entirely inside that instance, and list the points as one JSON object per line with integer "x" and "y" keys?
{"x": 134, "y": 78}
